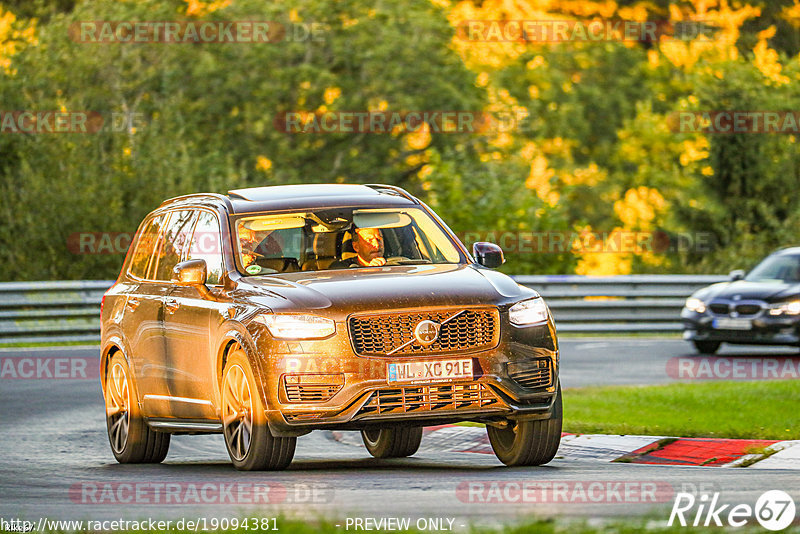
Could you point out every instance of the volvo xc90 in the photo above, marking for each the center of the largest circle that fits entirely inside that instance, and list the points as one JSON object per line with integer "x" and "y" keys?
{"x": 270, "y": 312}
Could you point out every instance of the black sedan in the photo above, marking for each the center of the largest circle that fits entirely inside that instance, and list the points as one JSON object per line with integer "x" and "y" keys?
{"x": 761, "y": 308}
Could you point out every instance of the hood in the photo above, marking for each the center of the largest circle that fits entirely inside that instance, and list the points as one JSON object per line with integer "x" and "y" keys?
{"x": 745, "y": 290}
{"x": 353, "y": 290}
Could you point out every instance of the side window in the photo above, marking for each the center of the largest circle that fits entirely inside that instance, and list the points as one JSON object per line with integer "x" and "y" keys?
{"x": 207, "y": 245}
{"x": 173, "y": 243}
{"x": 145, "y": 243}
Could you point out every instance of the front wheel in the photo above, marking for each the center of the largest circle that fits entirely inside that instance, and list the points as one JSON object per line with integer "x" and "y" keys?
{"x": 250, "y": 444}
{"x": 528, "y": 442}
{"x": 706, "y": 347}
{"x": 132, "y": 441}
{"x": 394, "y": 442}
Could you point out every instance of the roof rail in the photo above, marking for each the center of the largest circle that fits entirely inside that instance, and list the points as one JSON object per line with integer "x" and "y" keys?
{"x": 396, "y": 190}
{"x": 198, "y": 196}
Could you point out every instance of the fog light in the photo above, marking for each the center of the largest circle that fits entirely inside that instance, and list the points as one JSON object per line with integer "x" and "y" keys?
{"x": 311, "y": 388}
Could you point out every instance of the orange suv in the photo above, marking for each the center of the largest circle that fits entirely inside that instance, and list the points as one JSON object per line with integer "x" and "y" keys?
{"x": 270, "y": 312}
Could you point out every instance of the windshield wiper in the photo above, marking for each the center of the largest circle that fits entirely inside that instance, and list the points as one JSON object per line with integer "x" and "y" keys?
{"x": 413, "y": 262}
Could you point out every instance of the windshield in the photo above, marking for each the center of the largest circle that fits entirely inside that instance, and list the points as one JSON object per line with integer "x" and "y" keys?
{"x": 783, "y": 268}
{"x": 341, "y": 238}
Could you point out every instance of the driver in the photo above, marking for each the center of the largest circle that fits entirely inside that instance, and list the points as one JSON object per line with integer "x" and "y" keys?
{"x": 368, "y": 245}
{"x": 248, "y": 241}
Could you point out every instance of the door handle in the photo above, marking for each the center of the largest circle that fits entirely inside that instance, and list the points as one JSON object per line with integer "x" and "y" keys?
{"x": 132, "y": 303}
{"x": 172, "y": 305}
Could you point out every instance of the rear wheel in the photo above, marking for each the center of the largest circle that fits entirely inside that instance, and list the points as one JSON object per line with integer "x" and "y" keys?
{"x": 706, "y": 347}
{"x": 528, "y": 442}
{"x": 132, "y": 441}
{"x": 392, "y": 442}
{"x": 247, "y": 437}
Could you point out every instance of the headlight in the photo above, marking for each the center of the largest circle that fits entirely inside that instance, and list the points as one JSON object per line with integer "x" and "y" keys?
{"x": 696, "y": 305}
{"x": 297, "y": 326}
{"x": 785, "y": 308}
{"x": 528, "y": 312}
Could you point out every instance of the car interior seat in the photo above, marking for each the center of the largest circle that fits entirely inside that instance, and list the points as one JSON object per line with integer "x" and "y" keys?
{"x": 323, "y": 252}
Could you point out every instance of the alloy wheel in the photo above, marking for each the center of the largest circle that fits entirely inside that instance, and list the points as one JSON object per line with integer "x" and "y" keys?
{"x": 118, "y": 404}
{"x": 237, "y": 415}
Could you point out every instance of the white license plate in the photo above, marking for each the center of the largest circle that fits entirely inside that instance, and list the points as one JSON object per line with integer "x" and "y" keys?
{"x": 422, "y": 371}
{"x": 731, "y": 323}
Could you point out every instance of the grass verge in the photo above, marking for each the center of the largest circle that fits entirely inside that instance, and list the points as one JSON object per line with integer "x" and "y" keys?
{"x": 758, "y": 410}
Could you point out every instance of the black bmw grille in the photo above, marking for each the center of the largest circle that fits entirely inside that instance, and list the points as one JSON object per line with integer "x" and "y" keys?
{"x": 748, "y": 309}
{"x": 719, "y": 309}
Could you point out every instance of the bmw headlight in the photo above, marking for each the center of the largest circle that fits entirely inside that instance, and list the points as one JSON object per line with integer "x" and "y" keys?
{"x": 528, "y": 312}
{"x": 696, "y": 305}
{"x": 297, "y": 326}
{"x": 791, "y": 307}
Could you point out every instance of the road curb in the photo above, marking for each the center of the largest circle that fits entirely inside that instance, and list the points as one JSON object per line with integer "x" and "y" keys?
{"x": 646, "y": 450}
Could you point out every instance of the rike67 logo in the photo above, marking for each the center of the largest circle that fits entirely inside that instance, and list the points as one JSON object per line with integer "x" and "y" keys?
{"x": 774, "y": 510}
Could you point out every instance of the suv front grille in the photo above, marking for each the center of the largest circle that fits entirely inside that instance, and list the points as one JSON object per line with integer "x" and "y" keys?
{"x": 379, "y": 334}
{"x": 532, "y": 374}
{"x": 415, "y": 399}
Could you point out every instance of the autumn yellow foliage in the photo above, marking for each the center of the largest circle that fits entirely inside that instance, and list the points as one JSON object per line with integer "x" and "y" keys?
{"x": 13, "y": 36}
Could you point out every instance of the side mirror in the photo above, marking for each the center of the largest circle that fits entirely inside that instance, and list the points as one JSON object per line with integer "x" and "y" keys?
{"x": 488, "y": 254}
{"x": 737, "y": 274}
{"x": 190, "y": 273}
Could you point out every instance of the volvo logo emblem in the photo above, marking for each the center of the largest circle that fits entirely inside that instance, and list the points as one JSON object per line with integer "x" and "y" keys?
{"x": 426, "y": 332}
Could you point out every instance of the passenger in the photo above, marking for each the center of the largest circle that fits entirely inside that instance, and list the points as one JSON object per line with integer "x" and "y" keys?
{"x": 248, "y": 241}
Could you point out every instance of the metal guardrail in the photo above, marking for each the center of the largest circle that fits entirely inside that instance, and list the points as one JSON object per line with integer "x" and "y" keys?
{"x": 626, "y": 303}
{"x": 32, "y": 312}
{"x": 69, "y": 311}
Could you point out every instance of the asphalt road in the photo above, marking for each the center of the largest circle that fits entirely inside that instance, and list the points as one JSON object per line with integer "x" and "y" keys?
{"x": 53, "y": 447}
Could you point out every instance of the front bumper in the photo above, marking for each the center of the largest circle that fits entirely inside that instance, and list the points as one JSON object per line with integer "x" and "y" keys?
{"x": 765, "y": 330}
{"x": 500, "y": 388}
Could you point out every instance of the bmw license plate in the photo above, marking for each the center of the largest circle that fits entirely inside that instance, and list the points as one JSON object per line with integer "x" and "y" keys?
{"x": 423, "y": 371}
{"x": 732, "y": 323}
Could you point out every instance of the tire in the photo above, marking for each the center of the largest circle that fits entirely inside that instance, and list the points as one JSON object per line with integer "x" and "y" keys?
{"x": 132, "y": 440}
{"x": 706, "y": 347}
{"x": 392, "y": 442}
{"x": 250, "y": 444}
{"x": 528, "y": 442}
